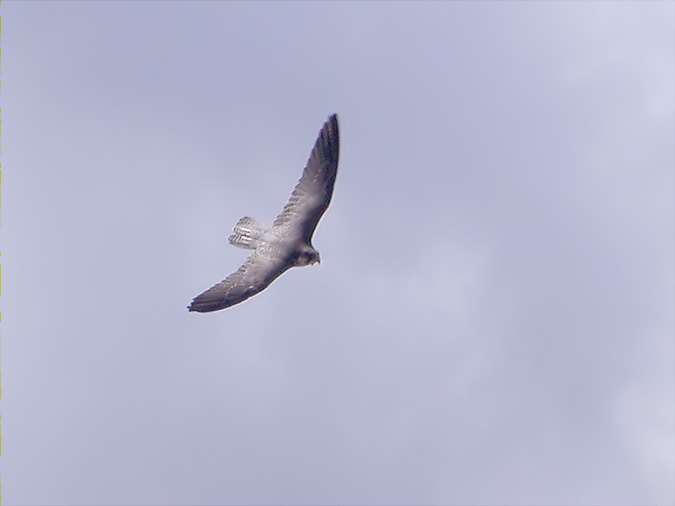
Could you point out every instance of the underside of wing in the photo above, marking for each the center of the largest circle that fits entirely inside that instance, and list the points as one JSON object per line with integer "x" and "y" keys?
{"x": 251, "y": 278}
{"x": 313, "y": 193}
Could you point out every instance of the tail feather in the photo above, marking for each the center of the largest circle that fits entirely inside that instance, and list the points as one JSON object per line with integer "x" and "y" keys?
{"x": 247, "y": 233}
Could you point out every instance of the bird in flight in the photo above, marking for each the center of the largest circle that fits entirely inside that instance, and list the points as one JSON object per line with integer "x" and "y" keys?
{"x": 288, "y": 242}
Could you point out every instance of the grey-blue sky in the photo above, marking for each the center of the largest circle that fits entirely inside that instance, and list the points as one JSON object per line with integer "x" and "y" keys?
{"x": 493, "y": 318}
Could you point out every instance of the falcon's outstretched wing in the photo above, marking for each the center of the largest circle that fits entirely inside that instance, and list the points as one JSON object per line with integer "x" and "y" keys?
{"x": 251, "y": 278}
{"x": 312, "y": 194}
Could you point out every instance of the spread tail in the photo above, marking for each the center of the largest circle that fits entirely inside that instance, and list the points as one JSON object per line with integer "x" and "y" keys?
{"x": 247, "y": 233}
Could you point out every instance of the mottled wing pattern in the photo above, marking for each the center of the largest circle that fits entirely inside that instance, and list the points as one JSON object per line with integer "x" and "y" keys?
{"x": 313, "y": 193}
{"x": 251, "y": 278}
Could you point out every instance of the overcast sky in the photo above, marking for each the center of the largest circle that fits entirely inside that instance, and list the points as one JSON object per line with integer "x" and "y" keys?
{"x": 493, "y": 319}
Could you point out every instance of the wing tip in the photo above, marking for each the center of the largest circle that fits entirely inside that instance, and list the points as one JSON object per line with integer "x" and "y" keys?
{"x": 194, "y": 309}
{"x": 197, "y": 306}
{"x": 333, "y": 121}
{"x": 200, "y": 307}
{"x": 329, "y": 139}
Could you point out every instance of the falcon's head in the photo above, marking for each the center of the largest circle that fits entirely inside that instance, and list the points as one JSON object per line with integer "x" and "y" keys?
{"x": 307, "y": 256}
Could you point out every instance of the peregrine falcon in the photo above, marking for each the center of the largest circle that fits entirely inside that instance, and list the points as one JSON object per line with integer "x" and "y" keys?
{"x": 288, "y": 242}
